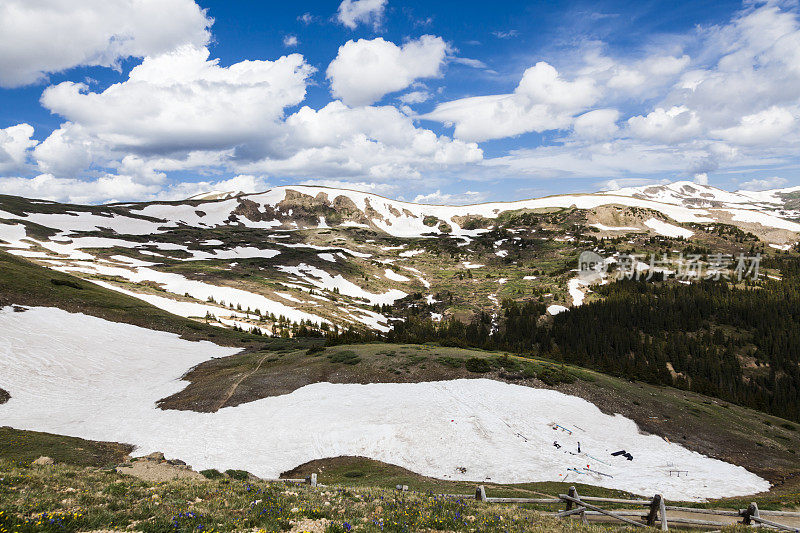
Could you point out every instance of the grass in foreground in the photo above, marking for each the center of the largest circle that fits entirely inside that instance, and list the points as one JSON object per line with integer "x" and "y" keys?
{"x": 62, "y": 498}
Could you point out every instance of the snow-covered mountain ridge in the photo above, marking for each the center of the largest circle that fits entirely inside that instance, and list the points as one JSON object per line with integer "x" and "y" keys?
{"x": 301, "y": 206}
{"x": 309, "y": 253}
{"x": 683, "y": 202}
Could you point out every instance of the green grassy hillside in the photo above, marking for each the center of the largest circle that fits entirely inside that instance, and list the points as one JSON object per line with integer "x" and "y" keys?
{"x": 25, "y": 283}
{"x": 24, "y": 447}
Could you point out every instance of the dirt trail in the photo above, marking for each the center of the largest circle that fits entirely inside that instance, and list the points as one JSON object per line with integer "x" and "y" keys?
{"x": 233, "y": 387}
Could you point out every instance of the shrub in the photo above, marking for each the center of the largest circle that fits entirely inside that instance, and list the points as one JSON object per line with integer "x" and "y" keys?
{"x": 477, "y": 365}
{"x": 507, "y": 363}
{"x": 452, "y": 362}
{"x": 241, "y": 475}
{"x": 347, "y": 357}
{"x": 314, "y": 350}
{"x": 552, "y": 376}
{"x": 453, "y": 342}
{"x": 65, "y": 283}
{"x": 211, "y": 473}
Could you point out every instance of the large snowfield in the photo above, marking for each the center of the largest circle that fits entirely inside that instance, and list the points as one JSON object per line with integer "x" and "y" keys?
{"x": 79, "y": 375}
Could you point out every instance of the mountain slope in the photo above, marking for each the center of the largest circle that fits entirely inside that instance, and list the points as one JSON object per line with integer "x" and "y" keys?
{"x": 329, "y": 257}
{"x": 23, "y": 283}
{"x": 53, "y": 353}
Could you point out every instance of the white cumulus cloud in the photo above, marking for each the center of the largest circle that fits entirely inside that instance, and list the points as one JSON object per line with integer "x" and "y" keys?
{"x": 183, "y": 101}
{"x": 351, "y": 13}
{"x": 763, "y": 184}
{"x": 121, "y": 187}
{"x": 597, "y": 124}
{"x": 377, "y": 143}
{"x": 542, "y": 101}
{"x": 763, "y": 127}
{"x": 104, "y": 189}
{"x": 415, "y": 97}
{"x": 15, "y": 142}
{"x": 677, "y": 123}
{"x": 366, "y": 70}
{"x": 439, "y": 198}
{"x": 66, "y": 151}
{"x": 45, "y": 36}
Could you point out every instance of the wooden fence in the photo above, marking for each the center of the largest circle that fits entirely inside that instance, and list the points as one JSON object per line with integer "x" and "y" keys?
{"x": 657, "y": 511}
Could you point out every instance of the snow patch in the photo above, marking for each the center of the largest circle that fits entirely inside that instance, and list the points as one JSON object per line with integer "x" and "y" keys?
{"x": 573, "y": 286}
{"x": 178, "y": 284}
{"x": 668, "y": 230}
{"x": 65, "y": 377}
{"x": 322, "y": 279}
{"x": 411, "y": 253}
{"x": 394, "y": 276}
{"x": 603, "y": 227}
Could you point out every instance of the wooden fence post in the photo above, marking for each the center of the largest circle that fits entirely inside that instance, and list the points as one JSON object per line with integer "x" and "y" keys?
{"x": 573, "y": 494}
{"x": 653, "y": 514}
{"x": 752, "y": 510}
{"x": 583, "y": 509}
{"x": 662, "y": 511}
{"x": 312, "y": 480}
{"x": 480, "y": 493}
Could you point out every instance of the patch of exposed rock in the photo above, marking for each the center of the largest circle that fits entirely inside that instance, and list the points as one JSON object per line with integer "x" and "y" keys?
{"x": 155, "y": 467}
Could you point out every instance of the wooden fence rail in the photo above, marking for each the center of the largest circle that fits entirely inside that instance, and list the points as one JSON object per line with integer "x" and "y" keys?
{"x": 656, "y": 511}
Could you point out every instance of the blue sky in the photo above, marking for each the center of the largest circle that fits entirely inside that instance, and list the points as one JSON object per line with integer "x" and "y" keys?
{"x": 434, "y": 102}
